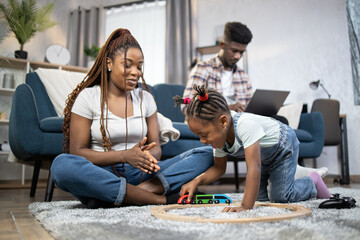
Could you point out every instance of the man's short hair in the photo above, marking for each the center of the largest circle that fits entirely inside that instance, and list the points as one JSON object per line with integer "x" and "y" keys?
{"x": 237, "y": 32}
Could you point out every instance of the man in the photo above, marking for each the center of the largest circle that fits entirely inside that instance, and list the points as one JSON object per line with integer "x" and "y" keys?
{"x": 222, "y": 73}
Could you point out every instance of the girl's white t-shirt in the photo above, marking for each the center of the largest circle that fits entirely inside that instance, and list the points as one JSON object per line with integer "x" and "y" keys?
{"x": 87, "y": 105}
{"x": 251, "y": 128}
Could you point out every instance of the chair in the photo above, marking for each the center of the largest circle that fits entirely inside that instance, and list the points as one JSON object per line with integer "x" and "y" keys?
{"x": 330, "y": 109}
{"x": 310, "y": 134}
{"x": 35, "y": 130}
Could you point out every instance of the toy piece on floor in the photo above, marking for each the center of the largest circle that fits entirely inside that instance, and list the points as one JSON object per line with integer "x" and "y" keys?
{"x": 338, "y": 202}
{"x": 205, "y": 199}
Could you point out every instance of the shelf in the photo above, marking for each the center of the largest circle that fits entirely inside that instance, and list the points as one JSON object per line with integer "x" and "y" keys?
{"x": 4, "y": 121}
{"x": 4, "y": 153}
{"x": 7, "y": 91}
{"x": 22, "y": 64}
{"x": 35, "y": 64}
{"x": 13, "y": 63}
{"x": 208, "y": 49}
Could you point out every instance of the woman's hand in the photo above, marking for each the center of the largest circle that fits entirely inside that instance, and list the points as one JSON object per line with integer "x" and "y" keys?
{"x": 153, "y": 159}
{"x": 140, "y": 157}
{"x": 234, "y": 209}
{"x": 189, "y": 188}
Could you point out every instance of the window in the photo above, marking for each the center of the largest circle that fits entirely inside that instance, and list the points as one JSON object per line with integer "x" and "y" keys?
{"x": 146, "y": 22}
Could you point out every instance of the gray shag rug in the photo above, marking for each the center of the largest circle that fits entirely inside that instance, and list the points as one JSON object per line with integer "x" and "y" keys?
{"x": 70, "y": 220}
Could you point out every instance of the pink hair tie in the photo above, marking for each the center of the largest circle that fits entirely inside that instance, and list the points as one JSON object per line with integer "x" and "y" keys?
{"x": 187, "y": 100}
{"x": 203, "y": 98}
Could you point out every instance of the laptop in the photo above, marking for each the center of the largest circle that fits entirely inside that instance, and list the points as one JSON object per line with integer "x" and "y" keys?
{"x": 266, "y": 102}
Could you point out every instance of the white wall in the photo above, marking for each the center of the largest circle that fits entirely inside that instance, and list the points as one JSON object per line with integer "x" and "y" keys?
{"x": 295, "y": 42}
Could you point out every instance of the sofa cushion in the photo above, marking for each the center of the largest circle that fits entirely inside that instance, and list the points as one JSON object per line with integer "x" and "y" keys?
{"x": 172, "y": 149}
{"x": 52, "y": 124}
{"x": 292, "y": 113}
{"x": 185, "y": 131}
{"x": 303, "y": 136}
{"x": 165, "y": 102}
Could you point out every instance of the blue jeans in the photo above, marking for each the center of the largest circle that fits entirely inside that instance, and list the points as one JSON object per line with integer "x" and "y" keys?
{"x": 84, "y": 180}
{"x": 278, "y": 166}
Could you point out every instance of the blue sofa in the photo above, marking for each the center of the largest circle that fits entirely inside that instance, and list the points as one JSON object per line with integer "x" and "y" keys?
{"x": 310, "y": 131}
{"x": 35, "y": 130}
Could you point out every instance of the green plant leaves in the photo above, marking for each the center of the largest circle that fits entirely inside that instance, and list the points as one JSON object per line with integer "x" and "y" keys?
{"x": 92, "y": 52}
{"x": 25, "y": 19}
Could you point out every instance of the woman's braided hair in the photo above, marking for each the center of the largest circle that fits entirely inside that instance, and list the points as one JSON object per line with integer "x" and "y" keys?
{"x": 118, "y": 42}
{"x": 206, "y": 104}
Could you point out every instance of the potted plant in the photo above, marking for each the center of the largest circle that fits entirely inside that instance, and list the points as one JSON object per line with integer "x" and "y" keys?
{"x": 91, "y": 52}
{"x": 25, "y": 19}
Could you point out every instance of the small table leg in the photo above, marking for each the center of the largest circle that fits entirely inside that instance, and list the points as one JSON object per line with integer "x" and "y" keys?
{"x": 345, "y": 175}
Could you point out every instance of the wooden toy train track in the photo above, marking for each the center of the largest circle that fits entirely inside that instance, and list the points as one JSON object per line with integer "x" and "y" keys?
{"x": 297, "y": 211}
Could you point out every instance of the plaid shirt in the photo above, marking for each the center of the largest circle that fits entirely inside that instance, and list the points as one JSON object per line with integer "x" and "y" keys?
{"x": 209, "y": 73}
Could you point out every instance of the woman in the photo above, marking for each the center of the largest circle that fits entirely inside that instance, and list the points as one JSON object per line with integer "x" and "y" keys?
{"x": 111, "y": 136}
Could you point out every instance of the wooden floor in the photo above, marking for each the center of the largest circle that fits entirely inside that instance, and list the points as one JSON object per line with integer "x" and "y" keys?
{"x": 17, "y": 223}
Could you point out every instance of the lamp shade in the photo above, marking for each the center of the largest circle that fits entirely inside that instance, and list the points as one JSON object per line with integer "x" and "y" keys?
{"x": 314, "y": 85}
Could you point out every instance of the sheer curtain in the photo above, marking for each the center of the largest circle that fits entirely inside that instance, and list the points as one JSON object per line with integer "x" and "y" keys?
{"x": 146, "y": 22}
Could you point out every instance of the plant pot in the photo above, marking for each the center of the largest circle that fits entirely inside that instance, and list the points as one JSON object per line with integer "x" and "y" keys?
{"x": 21, "y": 54}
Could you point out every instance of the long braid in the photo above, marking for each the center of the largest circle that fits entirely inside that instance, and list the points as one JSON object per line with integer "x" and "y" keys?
{"x": 206, "y": 104}
{"x": 119, "y": 40}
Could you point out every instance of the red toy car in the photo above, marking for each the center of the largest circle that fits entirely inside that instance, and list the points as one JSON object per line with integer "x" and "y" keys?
{"x": 183, "y": 199}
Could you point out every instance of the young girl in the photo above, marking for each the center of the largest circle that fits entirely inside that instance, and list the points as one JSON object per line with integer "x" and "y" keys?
{"x": 111, "y": 136}
{"x": 270, "y": 149}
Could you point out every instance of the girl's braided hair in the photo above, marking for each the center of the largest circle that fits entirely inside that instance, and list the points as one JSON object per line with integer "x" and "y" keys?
{"x": 206, "y": 104}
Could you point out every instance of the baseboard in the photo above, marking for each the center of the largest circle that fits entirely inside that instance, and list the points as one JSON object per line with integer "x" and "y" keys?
{"x": 227, "y": 179}
{"x": 16, "y": 184}
{"x": 230, "y": 179}
{"x": 355, "y": 178}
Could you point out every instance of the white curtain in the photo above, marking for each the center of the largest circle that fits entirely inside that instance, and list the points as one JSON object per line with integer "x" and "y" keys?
{"x": 86, "y": 28}
{"x": 146, "y": 22}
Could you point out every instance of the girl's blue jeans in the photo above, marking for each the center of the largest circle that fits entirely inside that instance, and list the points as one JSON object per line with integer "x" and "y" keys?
{"x": 84, "y": 180}
{"x": 278, "y": 166}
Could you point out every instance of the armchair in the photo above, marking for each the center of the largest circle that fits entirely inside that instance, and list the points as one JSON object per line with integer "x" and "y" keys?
{"x": 35, "y": 130}
{"x": 310, "y": 134}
